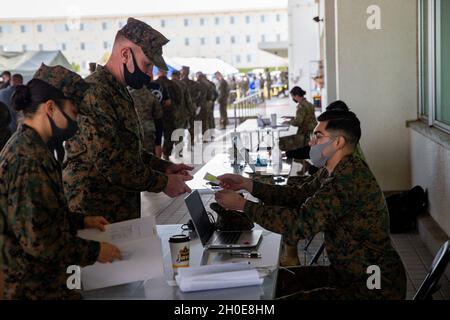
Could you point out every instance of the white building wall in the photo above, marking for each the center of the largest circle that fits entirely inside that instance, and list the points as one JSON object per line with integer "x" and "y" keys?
{"x": 376, "y": 74}
{"x": 303, "y": 42}
{"x": 241, "y": 54}
{"x": 431, "y": 170}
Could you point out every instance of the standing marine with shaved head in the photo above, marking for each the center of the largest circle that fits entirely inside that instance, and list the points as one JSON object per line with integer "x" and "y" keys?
{"x": 106, "y": 166}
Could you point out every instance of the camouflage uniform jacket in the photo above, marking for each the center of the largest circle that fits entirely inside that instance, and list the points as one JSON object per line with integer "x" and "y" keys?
{"x": 305, "y": 118}
{"x": 349, "y": 208}
{"x": 187, "y": 111}
{"x": 148, "y": 109}
{"x": 223, "y": 92}
{"x": 107, "y": 167}
{"x": 39, "y": 230}
{"x": 171, "y": 114}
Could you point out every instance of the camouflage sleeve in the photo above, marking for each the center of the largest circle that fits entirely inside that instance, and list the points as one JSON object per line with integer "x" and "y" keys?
{"x": 299, "y": 118}
{"x": 33, "y": 215}
{"x": 189, "y": 103}
{"x": 292, "y": 195}
{"x": 155, "y": 163}
{"x": 110, "y": 152}
{"x": 297, "y": 222}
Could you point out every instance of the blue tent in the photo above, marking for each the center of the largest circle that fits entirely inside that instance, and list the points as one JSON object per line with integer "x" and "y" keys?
{"x": 169, "y": 73}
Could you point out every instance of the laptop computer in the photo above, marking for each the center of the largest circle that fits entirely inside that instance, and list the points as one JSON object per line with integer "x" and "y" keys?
{"x": 213, "y": 239}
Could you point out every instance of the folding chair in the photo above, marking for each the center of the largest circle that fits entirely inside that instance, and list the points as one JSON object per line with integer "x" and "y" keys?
{"x": 431, "y": 283}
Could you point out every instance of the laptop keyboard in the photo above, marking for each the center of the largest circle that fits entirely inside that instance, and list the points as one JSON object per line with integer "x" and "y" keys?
{"x": 227, "y": 238}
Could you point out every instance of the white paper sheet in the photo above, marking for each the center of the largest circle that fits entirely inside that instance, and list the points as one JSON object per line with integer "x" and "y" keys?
{"x": 141, "y": 250}
{"x": 217, "y": 277}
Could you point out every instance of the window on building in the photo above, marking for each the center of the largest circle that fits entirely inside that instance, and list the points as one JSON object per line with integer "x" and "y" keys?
{"x": 23, "y": 29}
{"x": 217, "y": 40}
{"x": 263, "y": 38}
{"x": 249, "y": 58}
{"x": 202, "y": 41}
{"x": 186, "y": 42}
{"x": 40, "y": 28}
{"x": 2, "y": 48}
{"x": 5, "y": 28}
{"x": 41, "y": 47}
{"x": 278, "y": 37}
{"x": 278, "y": 17}
{"x": 248, "y": 39}
{"x": 233, "y": 40}
{"x": 202, "y": 21}
{"x": 24, "y": 47}
{"x": 82, "y": 46}
{"x": 238, "y": 59}
{"x": 186, "y": 22}
{"x": 106, "y": 25}
{"x": 163, "y": 23}
{"x": 435, "y": 65}
{"x": 232, "y": 20}
{"x": 63, "y": 46}
{"x": 248, "y": 19}
{"x": 263, "y": 18}
{"x": 217, "y": 20}
{"x": 105, "y": 45}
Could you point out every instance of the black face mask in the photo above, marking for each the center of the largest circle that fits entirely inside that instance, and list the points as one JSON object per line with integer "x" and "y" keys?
{"x": 60, "y": 135}
{"x": 137, "y": 79}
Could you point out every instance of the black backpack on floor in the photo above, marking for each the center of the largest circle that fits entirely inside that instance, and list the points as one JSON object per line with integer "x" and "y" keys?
{"x": 405, "y": 207}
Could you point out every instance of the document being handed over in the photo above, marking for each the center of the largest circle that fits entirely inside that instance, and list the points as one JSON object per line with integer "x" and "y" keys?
{"x": 141, "y": 254}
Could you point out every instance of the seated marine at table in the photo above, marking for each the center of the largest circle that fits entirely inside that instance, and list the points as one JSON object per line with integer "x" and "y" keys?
{"x": 344, "y": 201}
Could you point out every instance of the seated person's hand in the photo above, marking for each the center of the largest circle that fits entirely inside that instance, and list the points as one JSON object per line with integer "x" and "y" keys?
{"x": 108, "y": 253}
{"x": 230, "y": 200}
{"x": 234, "y": 182}
{"x": 176, "y": 185}
{"x": 95, "y": 223}
{"x": 180, "y": 169}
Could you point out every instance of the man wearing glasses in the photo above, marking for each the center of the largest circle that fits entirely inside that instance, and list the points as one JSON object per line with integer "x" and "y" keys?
{"x": 342, "y": 200}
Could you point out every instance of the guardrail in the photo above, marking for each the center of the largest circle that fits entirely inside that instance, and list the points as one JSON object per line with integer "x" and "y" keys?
{"x": 247, "y": 107}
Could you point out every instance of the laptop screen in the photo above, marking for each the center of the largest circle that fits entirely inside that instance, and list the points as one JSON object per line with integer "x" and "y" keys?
{"x": 205, "y": 228}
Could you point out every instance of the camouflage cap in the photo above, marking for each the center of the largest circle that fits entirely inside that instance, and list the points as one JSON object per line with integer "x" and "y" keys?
{"x": 69, "y": 83}
{"x": 150, "y": 40}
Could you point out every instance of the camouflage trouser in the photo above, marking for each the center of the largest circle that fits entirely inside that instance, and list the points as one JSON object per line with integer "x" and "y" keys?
{"x": 292, "y": 142}
{"x": 167, "y": 133}
{"x": 203, "y": 116}
{"x": 316, "y": 283}
{"x": 211, "y": 121}
{"x": 223, "y": 113}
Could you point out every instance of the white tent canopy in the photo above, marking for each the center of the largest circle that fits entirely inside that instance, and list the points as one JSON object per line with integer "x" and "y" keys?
{"x": 27, "y": 63}
{"x": 208, "y": 66}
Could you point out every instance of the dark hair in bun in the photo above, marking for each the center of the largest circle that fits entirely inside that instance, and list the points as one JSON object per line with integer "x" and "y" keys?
{"x": 28, "y": 98}
{"x": 22, "y": 98}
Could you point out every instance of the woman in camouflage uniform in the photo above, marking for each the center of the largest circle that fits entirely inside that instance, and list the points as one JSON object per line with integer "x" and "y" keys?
{"x": 305, "y": 120}
{"x": 38, "y": 231}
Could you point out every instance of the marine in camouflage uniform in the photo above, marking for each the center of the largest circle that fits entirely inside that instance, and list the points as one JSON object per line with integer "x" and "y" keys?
{"x": 203, "y": 115}
{"x": 172, "y": 113}
{"x": 195, "y": 92}
{"x": 148, "y": 109}
{"x": 39, "y": 231}
{"x": 107, "y": 166}
{"x": 305, "y": 120}
{"x": 224, "y": 92}
{"x": 187, "y": 111}
{"x": 349, "y": 208}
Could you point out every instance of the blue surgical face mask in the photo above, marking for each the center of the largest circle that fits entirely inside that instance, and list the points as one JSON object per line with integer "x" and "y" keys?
{"x": 316, "y": 154}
